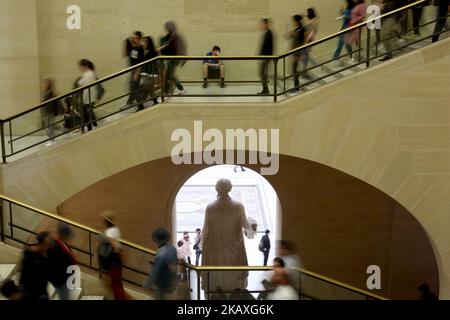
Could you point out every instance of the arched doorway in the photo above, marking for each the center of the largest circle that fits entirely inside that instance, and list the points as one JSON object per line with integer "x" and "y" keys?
{"x": 249, "y": 187}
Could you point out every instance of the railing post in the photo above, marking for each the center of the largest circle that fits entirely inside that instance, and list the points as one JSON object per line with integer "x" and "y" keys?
{"x": 360, "y": 45}
{"x": 368, "y": 48}
{"x": 90, "y": 109}
{"x": 189, "y": 280}
{"x": 90, "y": 249}
{"x": 162, "y": 79}
{"x": 198, "y": 285}
{"x": 284, "y": 74}
{"x": 2, "y": 222}
{"x": 275, "y": 80}
{"x": 300, "y": 285}
{"x": 2, "y": 136}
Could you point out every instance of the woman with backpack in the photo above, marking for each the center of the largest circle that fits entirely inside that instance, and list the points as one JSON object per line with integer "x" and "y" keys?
{"x": 110, "y": 254}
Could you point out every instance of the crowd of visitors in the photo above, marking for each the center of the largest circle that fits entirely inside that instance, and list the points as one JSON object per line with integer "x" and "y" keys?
{"x": 144, "y": 82}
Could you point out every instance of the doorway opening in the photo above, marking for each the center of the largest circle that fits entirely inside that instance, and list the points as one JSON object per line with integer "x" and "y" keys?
{"x": 259, "y": 198}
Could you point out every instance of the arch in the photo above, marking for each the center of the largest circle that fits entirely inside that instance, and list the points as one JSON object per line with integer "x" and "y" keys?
{"x": 331, "y": 216}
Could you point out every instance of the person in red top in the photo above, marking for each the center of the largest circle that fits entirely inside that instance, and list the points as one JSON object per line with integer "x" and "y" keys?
{"x": 61, "y": 258}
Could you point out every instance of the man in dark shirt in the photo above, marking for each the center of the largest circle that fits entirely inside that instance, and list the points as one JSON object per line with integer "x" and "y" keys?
{"x": 136, "y": 56}
{"x": 390, "y": 26}
{"x": 265, "y": 246}
{"x": 266, "y": 50}
{"x": 35, "y": 269}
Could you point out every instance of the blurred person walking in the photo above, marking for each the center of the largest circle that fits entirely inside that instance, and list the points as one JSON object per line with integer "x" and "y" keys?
{"x": 311, "y": 31}
{"x": 110, "y": 254}
{"x": 35, "y": 269}
{"x": 345, "y": 17}
{"x": 417, "y": 13}
{"x": 172, "y": 44}
{"x": 150, "y": 71}
{"x": 88, "y": 96}
{"x": 267, "y": 49}
{"x": 298, "y": 39}
{"x": 390, "y": 27}
{"x": 264, "y": 246}
{"x": 283, "y": 290}
{"x": 357, "y": 15}
{"x": 277, "y": 278}
{"x": 135, "y": 51}
{"x": 162, "y": 276}
{"x": 51, "y": 110}
{"x": 61, "y": 257}
{"x": 223, "y": 240}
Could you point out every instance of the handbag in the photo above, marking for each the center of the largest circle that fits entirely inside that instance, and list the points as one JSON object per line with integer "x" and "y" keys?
{"x": 196, "y": 246}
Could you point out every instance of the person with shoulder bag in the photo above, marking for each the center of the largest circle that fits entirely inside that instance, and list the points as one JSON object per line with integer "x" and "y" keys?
{"x": 110, "y": 254}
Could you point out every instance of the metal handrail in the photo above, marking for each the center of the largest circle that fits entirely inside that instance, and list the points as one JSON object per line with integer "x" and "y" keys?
{"x": 197, "y": 269}
{"x": 233, "y": 57}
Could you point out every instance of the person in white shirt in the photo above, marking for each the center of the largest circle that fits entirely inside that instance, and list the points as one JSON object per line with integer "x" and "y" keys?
{"x": 88, "y": 97}
{"x": 114, "y": 261}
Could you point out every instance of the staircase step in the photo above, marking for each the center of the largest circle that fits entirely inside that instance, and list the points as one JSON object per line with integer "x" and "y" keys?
{"x": 92, "y": 298}
{"x": 75, "y": 295}
{"x": 320, "y": 72}
{"x": 51, "y": 291}
{"x": 6, "y": 272}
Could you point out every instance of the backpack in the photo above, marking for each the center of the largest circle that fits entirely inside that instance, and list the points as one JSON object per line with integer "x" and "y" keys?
{"x": 261, "y": 246}
{"x": 106, "y": 254}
